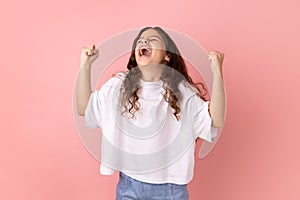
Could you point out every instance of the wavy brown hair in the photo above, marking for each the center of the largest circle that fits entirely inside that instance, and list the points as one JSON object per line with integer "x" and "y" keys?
{"x": 130, "y": 86}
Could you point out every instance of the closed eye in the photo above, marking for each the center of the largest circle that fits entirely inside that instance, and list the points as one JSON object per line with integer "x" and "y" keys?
{"x": 139, "y": 41}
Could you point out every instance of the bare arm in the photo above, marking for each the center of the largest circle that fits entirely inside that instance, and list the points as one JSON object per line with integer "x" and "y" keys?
{"x": 88, "y": 56}
{"x": 217, "y": 103}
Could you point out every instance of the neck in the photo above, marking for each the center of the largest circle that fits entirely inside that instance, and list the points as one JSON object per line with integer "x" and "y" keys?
{"x": 151, "y": 73}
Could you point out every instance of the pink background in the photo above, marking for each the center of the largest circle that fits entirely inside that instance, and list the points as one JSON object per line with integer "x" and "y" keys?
{"x": 257, "y": 156}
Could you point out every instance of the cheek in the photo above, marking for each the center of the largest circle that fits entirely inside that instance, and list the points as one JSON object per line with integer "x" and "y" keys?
{"x": 136, "y": 53}
{"x": 160, "y": 53}
{"x": 158, "y": 46}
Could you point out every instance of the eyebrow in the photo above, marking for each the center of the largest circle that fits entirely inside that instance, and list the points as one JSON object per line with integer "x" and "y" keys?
{"x": 152, "y": 36}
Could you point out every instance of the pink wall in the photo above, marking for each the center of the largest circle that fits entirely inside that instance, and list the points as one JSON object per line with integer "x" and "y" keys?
{"x": 257, "y": 156}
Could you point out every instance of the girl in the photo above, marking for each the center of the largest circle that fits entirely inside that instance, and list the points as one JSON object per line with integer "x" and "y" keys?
{"x": 157, "y": 77}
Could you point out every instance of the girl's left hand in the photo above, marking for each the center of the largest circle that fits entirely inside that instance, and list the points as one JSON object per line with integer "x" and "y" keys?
{"x": 216, "y": 60}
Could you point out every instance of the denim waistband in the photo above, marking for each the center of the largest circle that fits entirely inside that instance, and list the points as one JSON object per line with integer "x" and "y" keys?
{"x": 124, "y": 176}
{"x": 131, "y": 188}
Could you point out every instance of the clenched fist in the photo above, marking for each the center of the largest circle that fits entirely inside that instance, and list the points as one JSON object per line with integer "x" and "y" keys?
{"x": 88, "y": 55}
{"x": 216, "y": 61}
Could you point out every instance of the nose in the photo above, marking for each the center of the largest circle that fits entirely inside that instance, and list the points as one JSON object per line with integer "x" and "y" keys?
{"x": 145, "y": 41}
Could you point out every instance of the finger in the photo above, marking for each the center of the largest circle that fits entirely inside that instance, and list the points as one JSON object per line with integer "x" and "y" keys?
{"x": 96, "y": 51}
{"x": 218, "y": 53}
{"x": 210, "y": 59}
{"x": 89, "y": 52}
{"x": 213, "y": 56}
{"x": 92, "y": 47}
{"x": 89, "y": 49}
{"x": 221, "y": 54}
{"x": 92, "y": 51}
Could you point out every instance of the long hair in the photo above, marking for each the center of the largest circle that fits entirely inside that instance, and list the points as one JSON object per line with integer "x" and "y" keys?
{"x": 171, "y": 79}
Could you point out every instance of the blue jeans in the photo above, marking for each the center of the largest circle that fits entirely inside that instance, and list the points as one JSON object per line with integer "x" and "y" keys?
{"x": 129, "y": 188}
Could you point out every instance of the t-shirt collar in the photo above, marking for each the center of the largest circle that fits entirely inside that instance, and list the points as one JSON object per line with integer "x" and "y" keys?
{"x": 151, "y": 83}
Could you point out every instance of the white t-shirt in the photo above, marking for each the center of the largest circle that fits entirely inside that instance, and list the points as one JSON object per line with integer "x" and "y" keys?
{"x": 158, "y": 152}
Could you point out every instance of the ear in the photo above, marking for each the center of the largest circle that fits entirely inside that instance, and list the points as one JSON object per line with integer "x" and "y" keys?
{"x": 167, "y": 58}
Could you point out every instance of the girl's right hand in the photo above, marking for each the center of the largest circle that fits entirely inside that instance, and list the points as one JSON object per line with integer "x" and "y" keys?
{"x": 88, "y": 55}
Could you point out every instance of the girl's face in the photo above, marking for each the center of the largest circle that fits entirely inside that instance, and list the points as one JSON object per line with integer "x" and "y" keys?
{"x": 150, "y": 48}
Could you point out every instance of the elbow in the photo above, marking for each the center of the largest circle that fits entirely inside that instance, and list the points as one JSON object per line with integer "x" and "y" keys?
{"x": 217, "y": 124}
{"x": 80, "y": 111}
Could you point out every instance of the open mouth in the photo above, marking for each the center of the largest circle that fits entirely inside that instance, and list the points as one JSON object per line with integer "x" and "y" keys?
{"x": 145, "y": 51}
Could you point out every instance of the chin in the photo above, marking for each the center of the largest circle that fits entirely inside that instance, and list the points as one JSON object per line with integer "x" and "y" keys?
{"x": 143, "y": 63}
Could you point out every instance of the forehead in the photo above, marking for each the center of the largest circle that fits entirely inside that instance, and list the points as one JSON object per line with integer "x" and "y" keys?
{"x": 150, "y": 32}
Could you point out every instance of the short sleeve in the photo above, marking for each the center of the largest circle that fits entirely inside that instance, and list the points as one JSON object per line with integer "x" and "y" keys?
{"x": 202, "y": 122}
{"x": 93, "y": 111}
